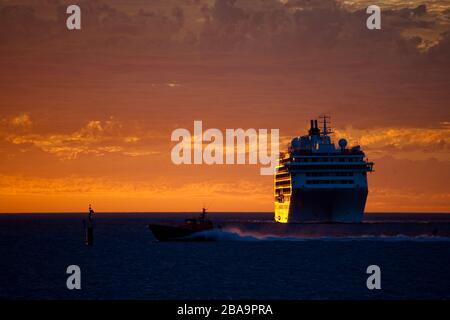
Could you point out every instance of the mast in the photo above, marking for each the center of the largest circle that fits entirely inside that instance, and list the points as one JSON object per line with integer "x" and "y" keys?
{"x": 325, "y": 121}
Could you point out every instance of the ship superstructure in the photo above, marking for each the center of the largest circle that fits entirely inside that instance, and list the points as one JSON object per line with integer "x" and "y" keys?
{"x": 316, "y": 181}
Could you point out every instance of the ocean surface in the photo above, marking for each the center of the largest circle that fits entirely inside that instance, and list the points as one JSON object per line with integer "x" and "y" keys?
{"x": 127, "y": 263}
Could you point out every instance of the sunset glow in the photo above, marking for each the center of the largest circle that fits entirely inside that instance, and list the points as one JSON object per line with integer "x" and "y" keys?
{"x": 86, "y": 116}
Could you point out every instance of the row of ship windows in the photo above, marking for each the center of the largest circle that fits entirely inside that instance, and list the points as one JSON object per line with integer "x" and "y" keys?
{"x": 283, "y": 183}
{"x": 340, "y": 159}
{"x": 283, "y": 175}
{"x": 281, "y": 199}
{"x": 334, "y": 167}
{"x": 283, "y": 190}
{"x": 329, "y": 181}
{"x": 288, "y": 183}
{"x": 281, "y": 170}
{"x": 329, "y": 174}
{"x": 318, "y": 174}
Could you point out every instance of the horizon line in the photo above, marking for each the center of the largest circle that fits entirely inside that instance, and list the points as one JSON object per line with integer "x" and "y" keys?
{"x": 220, "y": 212}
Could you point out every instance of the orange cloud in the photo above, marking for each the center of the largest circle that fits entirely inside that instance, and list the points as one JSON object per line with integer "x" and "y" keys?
{"x": 22, "y": 120}
{"x": 414, "y": 143}
{"x": 95, "y": 138}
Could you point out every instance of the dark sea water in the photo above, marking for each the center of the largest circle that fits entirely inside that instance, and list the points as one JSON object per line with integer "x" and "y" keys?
{"x": 126, "y": 263}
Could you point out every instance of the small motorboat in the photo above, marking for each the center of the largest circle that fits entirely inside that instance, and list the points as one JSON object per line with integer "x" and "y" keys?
{"x": 185, "y": 231}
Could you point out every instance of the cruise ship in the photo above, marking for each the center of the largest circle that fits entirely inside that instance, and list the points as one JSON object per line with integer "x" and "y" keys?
{"x": 319, "y": 182}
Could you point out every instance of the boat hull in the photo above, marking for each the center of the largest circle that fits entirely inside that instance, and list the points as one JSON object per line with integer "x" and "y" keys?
{"x": 173, "y": 233}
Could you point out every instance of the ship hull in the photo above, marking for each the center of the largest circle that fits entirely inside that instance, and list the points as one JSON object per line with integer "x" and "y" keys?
{"x": 326, "y": 205}
{"x": 172, "y": 233}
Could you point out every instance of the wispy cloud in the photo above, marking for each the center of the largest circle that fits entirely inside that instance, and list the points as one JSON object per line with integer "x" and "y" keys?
{"x": 96, "y": 137}
{"x": 21, "y": 120}
{"x": 415, "y": 143}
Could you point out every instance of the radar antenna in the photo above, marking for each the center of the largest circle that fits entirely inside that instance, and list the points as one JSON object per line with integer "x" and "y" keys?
{"x": 325, "y": 121}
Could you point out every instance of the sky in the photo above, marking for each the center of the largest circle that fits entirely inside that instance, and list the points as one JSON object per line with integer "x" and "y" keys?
{"x": 86, "y": 116}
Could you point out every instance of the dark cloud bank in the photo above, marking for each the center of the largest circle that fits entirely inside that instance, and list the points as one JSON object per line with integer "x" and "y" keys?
{"x": 297, "y": 27}
{"x": 300, "y": 51}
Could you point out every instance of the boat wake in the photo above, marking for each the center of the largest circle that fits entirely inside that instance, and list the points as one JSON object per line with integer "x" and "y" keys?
{"x": 235, "y": 234}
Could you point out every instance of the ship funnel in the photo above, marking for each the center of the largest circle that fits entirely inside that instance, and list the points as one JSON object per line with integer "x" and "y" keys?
{"x": 311, "y": 130}
{"x": 314, "y": 128}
